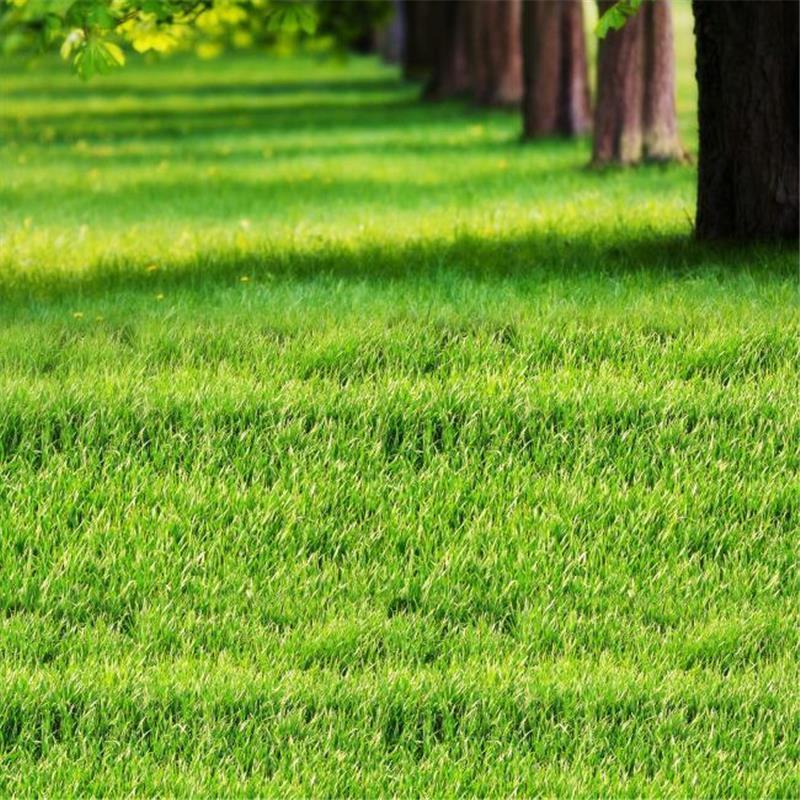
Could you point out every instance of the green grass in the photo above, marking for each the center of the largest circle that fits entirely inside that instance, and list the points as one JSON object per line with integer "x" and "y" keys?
{"x": 486, "y": 480}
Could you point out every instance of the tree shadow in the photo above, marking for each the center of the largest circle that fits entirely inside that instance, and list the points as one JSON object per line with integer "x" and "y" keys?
{"x": 180, "y": 108}
{"x": 109, "y": 89}
{"x": 534, "y": 257}
{"x": 150, "y": 195}
{"x": 112, "y": 124}
{"x": 384, "y": 145}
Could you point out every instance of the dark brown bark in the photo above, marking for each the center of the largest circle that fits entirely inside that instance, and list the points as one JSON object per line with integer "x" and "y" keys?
{"x": 450, "y": 76}
{"x": 635, "y": 116}
{"x": 747, "y": 75}
{"x": 495, "y": 51}
{"x": 419, "y": 54}
{"x": 556, "y": 99}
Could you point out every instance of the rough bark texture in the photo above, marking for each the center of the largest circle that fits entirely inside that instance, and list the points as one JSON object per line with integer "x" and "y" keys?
{"x": 556, "y": 98}
{"x": 659, "y": 121}
{"x": 635, "y": 116}
{"x": 495, "y": 51}
{"x": 747, "y": 75}
{"x": 620, "y": 93}
{"x": 451, "y": 75}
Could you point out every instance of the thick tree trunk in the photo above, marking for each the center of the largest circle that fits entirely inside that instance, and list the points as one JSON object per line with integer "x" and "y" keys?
{"x": 747, "y": 75}
{"x": 451, "y": 75}
{"x": 635, "y": 116}
{"x": 556, "y": 99}
{"x": 495, "y": 51}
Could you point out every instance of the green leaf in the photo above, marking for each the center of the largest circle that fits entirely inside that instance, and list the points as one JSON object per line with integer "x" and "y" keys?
{"x": 115, "y": 53}
{"x": 97, "y": 57}
{"x": 99, "y": 17}
{"x": 307, "y": 19}
{"x": 73, "y": 42}
{"x": 290, "y": 17}
{"x": 90, "y": 14}
{"x": 161, "y": 39}
{"x": 76, "y": 13}
{"x": 157, "y": 8}
{"x": 614, "y": 18}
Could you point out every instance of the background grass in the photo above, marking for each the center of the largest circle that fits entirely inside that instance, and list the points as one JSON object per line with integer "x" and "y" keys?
{"x": 349, "y": 446}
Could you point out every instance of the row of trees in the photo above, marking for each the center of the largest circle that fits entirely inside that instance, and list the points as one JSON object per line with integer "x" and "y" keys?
{"x": 509, "y": 52}
{"x": 533, "y": 53}
{"x": 530, "y": 53}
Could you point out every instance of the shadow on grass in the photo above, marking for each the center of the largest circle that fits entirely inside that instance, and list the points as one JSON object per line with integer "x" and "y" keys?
{"x": 412, "y": 143}
{"x": 533, "y": 258}
{"x": 263, "y": 87}
{"x": 150, "y": 195}
{"x": 109, "y": 123}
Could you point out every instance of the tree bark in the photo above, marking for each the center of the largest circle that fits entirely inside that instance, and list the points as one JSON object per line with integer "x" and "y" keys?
{"x": 635, "y": 115}
{"x": 660, "y": 122}
{"x": 747, "y": 75}
{"x": 451, "y": 75}
{"x": 419, "y": 51}
{"x": 391, "y": 39}
{"x": 495, "y": 51}
{"x": 620, "y": 93}
{"x": 556, "y": 96}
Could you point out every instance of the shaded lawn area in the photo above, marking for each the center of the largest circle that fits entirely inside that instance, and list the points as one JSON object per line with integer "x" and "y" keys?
{"x": 348, "y": 445}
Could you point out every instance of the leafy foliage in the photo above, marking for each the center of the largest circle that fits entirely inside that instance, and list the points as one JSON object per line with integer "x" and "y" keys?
{"x": 98, "y": 56}
{"x": 93, "y": 34}
{"x": 292, "y": 17}
{"x": 614, "y": 18}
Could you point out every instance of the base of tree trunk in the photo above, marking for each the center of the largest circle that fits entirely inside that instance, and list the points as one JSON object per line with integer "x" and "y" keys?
{"x": 635, "y": 116}
{"x": 450, "y": 77}
{"x": 556, "y": 100}
{"x": 495, "y": 51}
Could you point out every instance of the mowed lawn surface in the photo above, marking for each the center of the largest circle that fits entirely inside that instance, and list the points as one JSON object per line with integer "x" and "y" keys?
{"x": 349, "y": 446}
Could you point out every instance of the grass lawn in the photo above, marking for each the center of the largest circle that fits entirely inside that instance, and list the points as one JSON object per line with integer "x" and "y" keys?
{"x": 349, "y": 446}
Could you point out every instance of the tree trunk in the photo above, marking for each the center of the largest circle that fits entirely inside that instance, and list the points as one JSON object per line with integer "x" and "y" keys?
{"x": 556, "y": 99}
{"x": 391, "y": 39}
{"x": 495, "y": 51}
{"x": 747, "y": 75}
{"x": 635, "y": 116}
{"x": 620, "y": 93}
{"x": 660, "y": 122}
{"x": 450, "y": 76}
{"x": 419, "y": 52}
